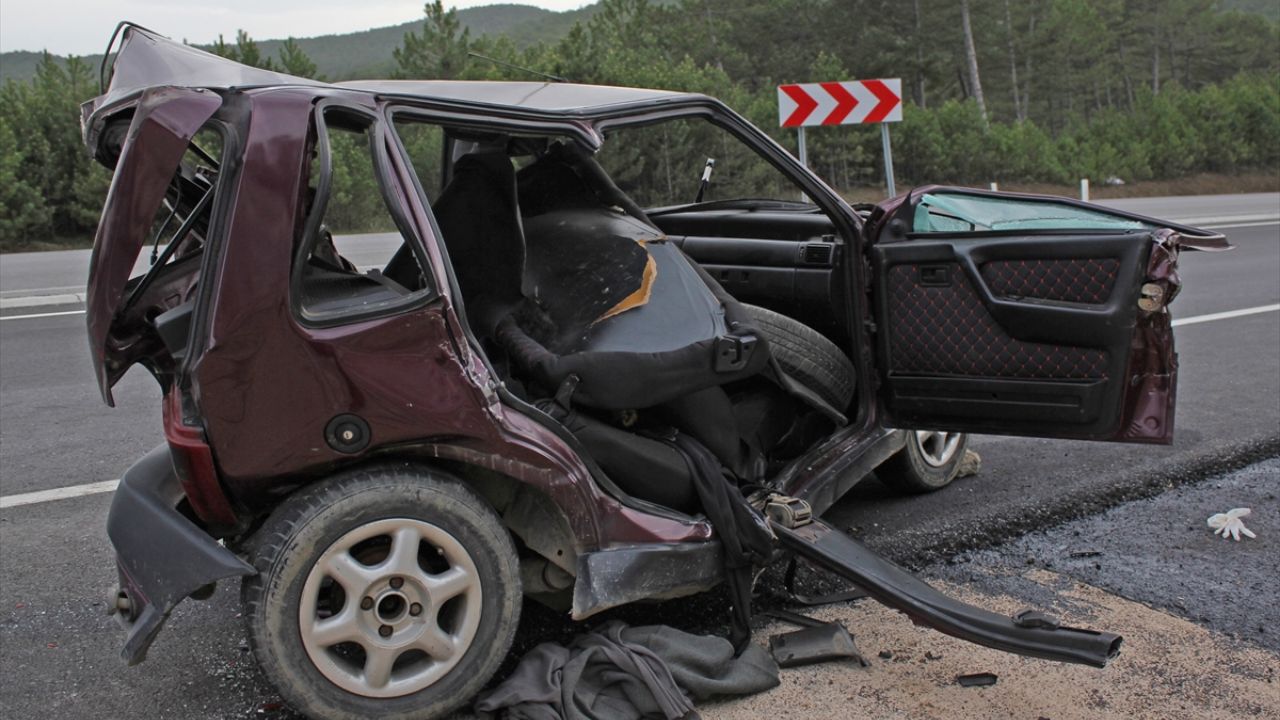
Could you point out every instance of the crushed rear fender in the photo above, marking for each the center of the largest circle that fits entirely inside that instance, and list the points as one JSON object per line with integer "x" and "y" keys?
{"x": 162, "y": 556}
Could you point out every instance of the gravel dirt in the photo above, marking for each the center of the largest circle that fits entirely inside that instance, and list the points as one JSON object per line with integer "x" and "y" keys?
{"x": 1169, "y": 667}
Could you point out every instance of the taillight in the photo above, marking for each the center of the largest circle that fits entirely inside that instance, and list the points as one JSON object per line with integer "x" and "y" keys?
{"x": 193, "y": 464}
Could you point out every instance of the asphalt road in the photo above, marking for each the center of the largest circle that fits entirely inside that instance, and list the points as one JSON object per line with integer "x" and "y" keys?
{"x": 64, "y": 273}
{"x": 59, "y": 648}
{"x": 1161, "y": 552}
{"x": 1228, "y": 415}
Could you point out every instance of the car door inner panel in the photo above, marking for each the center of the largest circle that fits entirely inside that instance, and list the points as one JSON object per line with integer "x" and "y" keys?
{"x": 1006, "y": 330}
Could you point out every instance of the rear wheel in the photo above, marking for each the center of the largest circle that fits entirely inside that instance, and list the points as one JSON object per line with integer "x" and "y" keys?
{"x": 929, "y": 461}
{"x": 391, "y": 594}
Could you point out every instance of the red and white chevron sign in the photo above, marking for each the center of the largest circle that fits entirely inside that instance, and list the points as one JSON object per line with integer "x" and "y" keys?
{"x": 840, "y": 103}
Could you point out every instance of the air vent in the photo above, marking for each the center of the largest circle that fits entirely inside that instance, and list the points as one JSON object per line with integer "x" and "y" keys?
{"x": 817, "y": 254}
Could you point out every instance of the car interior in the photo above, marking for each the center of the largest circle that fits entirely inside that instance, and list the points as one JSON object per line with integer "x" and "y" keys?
{"x": 636, "y": 302}
{"x": 628, "y": 325}
{"x": 617, "y": 322}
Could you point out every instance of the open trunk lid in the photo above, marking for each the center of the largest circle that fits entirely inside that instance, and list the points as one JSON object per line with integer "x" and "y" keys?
{"x": 163, "y": 124}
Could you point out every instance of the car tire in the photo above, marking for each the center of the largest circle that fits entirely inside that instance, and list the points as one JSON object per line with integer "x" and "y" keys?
{"x": 807, "y": 356}
{"x": 929, "y": 461}
{"x": 421, "y": 557}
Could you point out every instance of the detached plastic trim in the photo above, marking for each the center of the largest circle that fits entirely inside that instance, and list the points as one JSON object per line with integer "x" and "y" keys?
{"x": 893, "y": 586}
{"x": 162, "y": 556}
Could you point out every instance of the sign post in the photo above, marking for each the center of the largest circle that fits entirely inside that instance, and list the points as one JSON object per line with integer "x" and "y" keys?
{"x": 888, "y": 159}
{"x": 853, "y": 102}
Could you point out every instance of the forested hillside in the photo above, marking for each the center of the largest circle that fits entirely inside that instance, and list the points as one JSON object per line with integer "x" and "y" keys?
{"x": 367, "y": 53}
{"x": 998, "y": 90}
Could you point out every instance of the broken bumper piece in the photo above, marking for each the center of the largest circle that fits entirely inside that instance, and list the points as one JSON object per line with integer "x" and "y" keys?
{"x": 162, "y": 556}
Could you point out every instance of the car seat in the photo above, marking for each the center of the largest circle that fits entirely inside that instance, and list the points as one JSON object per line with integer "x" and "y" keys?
{"x": 596, "y": 308}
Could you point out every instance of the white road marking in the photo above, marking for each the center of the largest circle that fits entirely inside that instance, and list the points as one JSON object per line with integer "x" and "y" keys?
{"x": 62, "y": 493}
{"x": 41, "y": 315}
{"x": 1226, "y": 315}
{"x": 1258, "y": 218}
{"x": 40, "y": 300}
{"x": 1226, "y": 226}
{"x": 368, "y": 247}
{"x": 43, "y": 496}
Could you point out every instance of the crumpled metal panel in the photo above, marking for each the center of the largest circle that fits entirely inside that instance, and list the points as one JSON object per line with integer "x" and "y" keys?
{"x": 162, "y": 127}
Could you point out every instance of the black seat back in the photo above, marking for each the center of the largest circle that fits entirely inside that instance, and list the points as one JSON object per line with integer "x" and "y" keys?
{"x": 479, "y": 221}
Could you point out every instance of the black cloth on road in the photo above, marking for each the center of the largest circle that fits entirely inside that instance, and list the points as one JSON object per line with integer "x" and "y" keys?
{"x": 627, "y": 673}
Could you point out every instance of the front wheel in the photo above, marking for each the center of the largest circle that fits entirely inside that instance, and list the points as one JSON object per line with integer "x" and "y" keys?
{"x": 929, "y": 461}
{"x": 389, "y": 594}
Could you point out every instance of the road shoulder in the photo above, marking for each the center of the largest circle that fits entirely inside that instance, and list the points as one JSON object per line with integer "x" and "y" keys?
{"x": 1169, "y": 667}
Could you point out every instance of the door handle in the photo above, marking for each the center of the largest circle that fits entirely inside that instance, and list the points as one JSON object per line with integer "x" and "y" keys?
{"x": 935, "y": 275}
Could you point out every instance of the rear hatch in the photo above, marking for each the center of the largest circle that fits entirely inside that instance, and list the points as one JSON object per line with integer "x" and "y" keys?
{"x": 154, "y": 196}
{"x": 159, "y": 96}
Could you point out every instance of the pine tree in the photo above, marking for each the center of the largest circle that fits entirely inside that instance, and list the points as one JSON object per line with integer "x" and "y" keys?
{"x": 294, "y": 60}
{"x": 440, "y": 52}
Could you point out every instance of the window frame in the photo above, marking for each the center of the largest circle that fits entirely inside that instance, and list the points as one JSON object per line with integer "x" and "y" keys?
{"x": 713, "y": 119}
{"x": 455, "y": 119}
{"x": 385, "y": 179}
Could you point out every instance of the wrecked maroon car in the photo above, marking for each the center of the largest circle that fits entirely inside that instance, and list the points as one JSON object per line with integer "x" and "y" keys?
{"x": 428, "y": 347}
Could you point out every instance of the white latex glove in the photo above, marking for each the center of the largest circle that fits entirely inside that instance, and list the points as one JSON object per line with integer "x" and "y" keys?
{"x": 1229, "y": 523}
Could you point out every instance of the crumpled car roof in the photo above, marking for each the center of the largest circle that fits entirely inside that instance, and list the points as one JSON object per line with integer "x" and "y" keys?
{"x": 542, "y": 96}
{"x": 147, "y": 59}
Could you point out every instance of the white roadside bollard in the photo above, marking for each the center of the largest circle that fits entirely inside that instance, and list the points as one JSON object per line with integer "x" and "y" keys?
{"x": 1084, "y": 189}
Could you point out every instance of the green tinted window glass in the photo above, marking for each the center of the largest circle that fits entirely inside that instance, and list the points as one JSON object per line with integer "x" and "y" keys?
{"x": 953, "y": 212}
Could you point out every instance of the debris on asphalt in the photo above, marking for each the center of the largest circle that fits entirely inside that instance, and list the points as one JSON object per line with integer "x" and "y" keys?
{"x": 820, "y": 643}
{"x": 977, "y": 679}
{"x": 1086, "y": 553}
{"x": 817, "y": 642}
{"x": 969, "y": 465}
{"x": 886, "y": 655}
{"x": 1230, "y": 523}
{"x": 931, "y": 655}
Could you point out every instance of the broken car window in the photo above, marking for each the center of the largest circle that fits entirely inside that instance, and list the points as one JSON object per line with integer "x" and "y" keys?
{"x": 354, "y": 259}
{"x": 182, "y": 220}
{"x": 955, "y": 212}
{"x": 194, "y": 179}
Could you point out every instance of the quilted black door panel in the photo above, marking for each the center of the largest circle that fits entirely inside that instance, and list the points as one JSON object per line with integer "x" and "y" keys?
{"x": 1008, "y": 334}
{"x": 1079, "y": 280}
{"x": 948, "y": 331}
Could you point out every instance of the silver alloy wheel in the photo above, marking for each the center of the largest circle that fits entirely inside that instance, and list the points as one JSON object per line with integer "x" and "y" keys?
{"x": 390, "y": 609}
{"x": 937, "y": 448}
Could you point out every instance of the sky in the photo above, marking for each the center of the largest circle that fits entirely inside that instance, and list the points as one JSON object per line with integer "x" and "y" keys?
{"x": 82, "y": 27}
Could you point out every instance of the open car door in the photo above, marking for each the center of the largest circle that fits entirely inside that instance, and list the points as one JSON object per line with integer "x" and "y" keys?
{"x": 1026, "y": 315}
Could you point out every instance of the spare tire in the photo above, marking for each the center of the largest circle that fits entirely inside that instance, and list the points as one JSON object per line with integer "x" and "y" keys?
{"x": 807, "y": 356}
